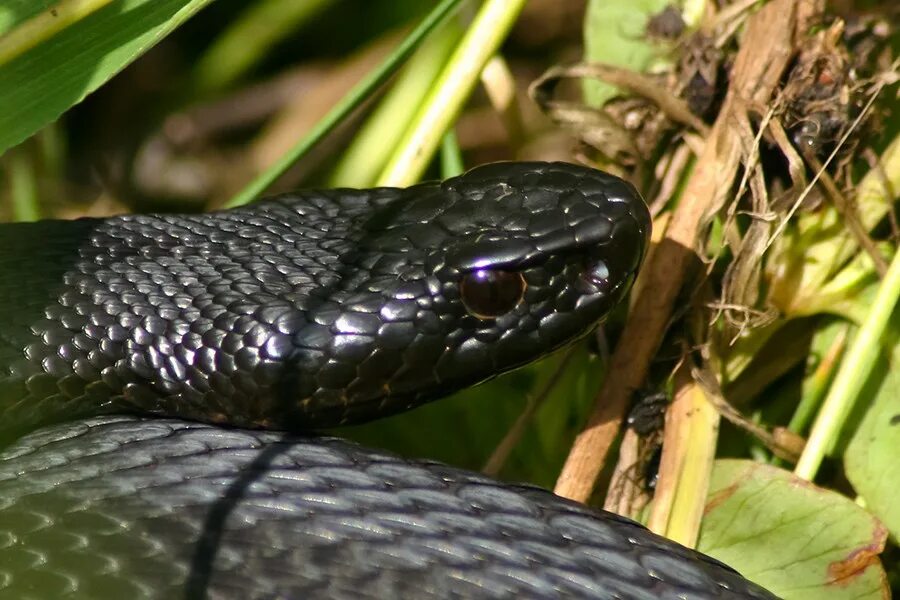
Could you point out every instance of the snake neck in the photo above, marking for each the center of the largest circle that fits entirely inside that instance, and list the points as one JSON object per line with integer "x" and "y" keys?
{"x": 184, "y": 316}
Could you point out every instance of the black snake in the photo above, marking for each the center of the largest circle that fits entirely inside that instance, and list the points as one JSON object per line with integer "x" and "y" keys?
{"x": 300, "y": 312}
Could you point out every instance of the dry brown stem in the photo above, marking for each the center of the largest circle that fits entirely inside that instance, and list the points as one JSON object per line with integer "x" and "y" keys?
{"x": 642, "y": 85}
{"x": 765, "y": 52}
{"x": 707, "y": 381}
{"x": 625, "y": 495}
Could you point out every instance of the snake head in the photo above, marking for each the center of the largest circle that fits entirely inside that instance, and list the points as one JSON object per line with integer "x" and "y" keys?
{"x": 478, "y": 275}
{"x": 316, "y": 308}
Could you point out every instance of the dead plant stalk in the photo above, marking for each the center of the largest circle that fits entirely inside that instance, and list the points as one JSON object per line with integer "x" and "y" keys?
{"x": 764, "y": 54}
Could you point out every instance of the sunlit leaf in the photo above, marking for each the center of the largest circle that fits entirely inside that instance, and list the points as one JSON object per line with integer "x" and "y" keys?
{"x": 39, "y": 85}
{"x": 794, "y": 538}
{"x": 871, "y": 457}
{"x": 614, "y": 33}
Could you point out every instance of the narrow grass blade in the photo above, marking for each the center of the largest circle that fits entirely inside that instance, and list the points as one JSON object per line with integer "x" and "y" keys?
{"x": 352, "y": 100}
{"x": 451, "y": 90}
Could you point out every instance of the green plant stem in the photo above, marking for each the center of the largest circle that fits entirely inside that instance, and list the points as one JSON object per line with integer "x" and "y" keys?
{"x": 44, "y": 25}
{"x": 52, "y": 148}
{"x": 854, "y": 370}
{"x": 360, "y": 164}
{"x": 817, "y": 383}
{"x": 348, "y": 103}
{"x": 452, "y": 88}
{"x": 451, "y": 156}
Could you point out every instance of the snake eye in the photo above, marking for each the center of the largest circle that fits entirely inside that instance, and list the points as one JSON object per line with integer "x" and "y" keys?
{"x": 488, "y": 294}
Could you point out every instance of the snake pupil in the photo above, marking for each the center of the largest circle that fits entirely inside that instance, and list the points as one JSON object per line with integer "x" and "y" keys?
{"x": 487, "y": 294}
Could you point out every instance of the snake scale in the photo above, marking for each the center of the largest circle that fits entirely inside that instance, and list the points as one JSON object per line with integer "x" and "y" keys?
{"x": 150, "y": 363}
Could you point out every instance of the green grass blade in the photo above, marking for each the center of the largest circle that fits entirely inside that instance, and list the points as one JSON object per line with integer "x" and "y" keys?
{"x": 352, "y": 100}
{"x": 451, "y": 156}
{"x": 39, "y": 84}
{"x": 451, "y": 90}
{"x": 44, "y": 25}
{"x": 360, "y": 164}
{"x": 852, "y": 374}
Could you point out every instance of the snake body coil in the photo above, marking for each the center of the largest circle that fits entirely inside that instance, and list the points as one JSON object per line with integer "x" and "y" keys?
{"x": 300, "y": 312}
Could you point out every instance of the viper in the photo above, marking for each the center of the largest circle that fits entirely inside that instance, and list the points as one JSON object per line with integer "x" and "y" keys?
{"x": 162, "y": 378}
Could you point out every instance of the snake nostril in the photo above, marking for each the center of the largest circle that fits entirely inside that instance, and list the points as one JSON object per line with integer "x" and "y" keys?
{"x": 599, "y": 273}
{"x": 597, "y": 278}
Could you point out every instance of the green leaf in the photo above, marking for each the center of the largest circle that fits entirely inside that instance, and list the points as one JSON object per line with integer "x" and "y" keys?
{"x": 813, "y": 267}
{"x": 14, "y": 12}
{"x": 614, "y": 35}
{"x": 460, "y": 430}
{"x": 790, "y": 536}
{"x": 38, "y": 86}
{"x": 871, "y": 457}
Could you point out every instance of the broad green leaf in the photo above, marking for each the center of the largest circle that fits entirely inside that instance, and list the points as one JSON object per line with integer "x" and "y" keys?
{"x": 38, "y": 86}
{"x": 871, "y": 457}
{"x": 614, "y": 34}
{"x": 790, "y": 536}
